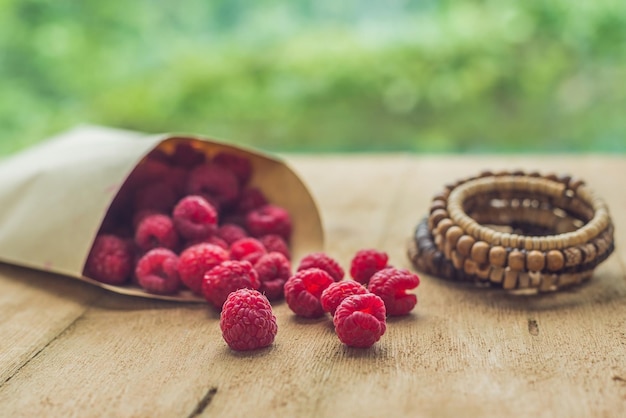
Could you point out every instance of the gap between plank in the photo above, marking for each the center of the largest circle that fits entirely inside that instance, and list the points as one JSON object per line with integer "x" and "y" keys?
{"x": 204, "y": 402}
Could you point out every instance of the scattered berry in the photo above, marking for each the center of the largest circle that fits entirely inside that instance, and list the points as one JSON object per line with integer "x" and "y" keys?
{"x": 247, "y": 321}
{"x": 324, "y": 262}
{"x": 391, "y": 285}
{"x": 156, "y": 231}
{"x": 250, "y": 199}
{"x": 231, "y": 233}
{"x": 229, "y": 276}
{"x": 195, "y": 218}
{"x": 240, "y": 166}
{"x": 303, "y": 291}
{"x": 195, "y": 261}
{"x": 214, "y": 183}
{"x": 360, "y": 320}
{"x": 274, "y": 269}
{"x": 250, "y": 249}
{"x": 110, "y": 260}
{"x": 367, "y": 262}
{"x": 157, "y": 271}
{"x": 269, "y": 219}
{"x": 334, "y": 294}
{"x": 275, "y": 243}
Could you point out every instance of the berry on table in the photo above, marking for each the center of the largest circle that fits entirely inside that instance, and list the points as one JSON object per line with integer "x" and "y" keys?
{"x": 195, "y": 218}
{"x": 156, "y": 231}
{"x": 227, "y": 277}
{"x": 274, "y": 269}
{"x": 247, "y": 321}
{"x": 303, "y": 291}
{"x": 360, "y": 320}
{"x": 157, "y": 271}
{"x": 367, "y": 262}
{"x": 324, "y": 262}
{"x": 195, "y": 261}
{"x": 391, "y": 285}
{"x": 334, "y": 294}
{"x": 110, "y": 260}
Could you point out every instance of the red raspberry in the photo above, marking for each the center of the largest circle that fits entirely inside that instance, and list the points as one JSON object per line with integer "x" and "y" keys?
{"x": 249, "y": 249}
{"x": 247, "y": 321}
{"x": 157, "y": 271}
{"x": 224, "y": 279}
{"x": 141, "y": 215}
{"x": 159, "y": 197}
{"x": 186, "y": 155}
{"x": 214, "y": 182}
{"x": 240, "y": 166}
{"x": 360, "y": 320}
{"x": 156, "y": 231}
{"x": 159, "y": 155}
{"x": 195, "y": 218}
{"x": 334, "y": 294}
{"x": 269, "y": 219}
{"x": 213, "y": 239}
{"x": 324, "y": 262}
{"x": 195, "y": 261}
{"x": 391, "y": 285}
{"x": 303, "y": 291}
{"x": 275, "y": 243}
{"x": 367, "y": 262}
{"x": 231, "y": 233}
{"x": 274, "y": 270}
{"x": 250, "y": 199}
{"x": 146, "y": 172}
{"x": 110, "y": 260}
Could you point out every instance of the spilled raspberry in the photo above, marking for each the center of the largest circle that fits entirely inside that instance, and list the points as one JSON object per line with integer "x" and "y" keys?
{"x": 110, "y": 260}
{"x": 275, "y": 243}
{"x": 195, "y": 218}
{"x": 367, "y": 262}
{"x": 247, "y": 321}
{"x": 303, "y": 291}
{"x": 324, "y": 262}
{"x": 195, "y": 261}
{"x": 274, "y": 269}
{"x": 269, "y": 219}
{"x": 227, "y": 277}
{"x": 157, "y": 271}
{"x": 391, "y": 285}
{"x": 249, "y": 249}
{"x": 334, "y": 294}
{"x": 217, "y": 184}
{"x": 156, "y": 231}
{"x": 360, "y": 320}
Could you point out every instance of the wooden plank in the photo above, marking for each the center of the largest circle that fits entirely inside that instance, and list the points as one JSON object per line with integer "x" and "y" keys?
{"x": 464, "y": 352}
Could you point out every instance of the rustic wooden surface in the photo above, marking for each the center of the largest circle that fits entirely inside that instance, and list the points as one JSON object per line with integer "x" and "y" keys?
{"x": 72, "y": 350}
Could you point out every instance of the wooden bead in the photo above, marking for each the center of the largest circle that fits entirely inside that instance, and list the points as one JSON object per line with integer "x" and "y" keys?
{"x": 548, "y": 282}
{"x": 497, "y": 256}
{"x": 573, "y": 256}
{"x": 517, "y": 260}
{"x": 483, "y": 271}
{"x": 510, "y": 279}
{"x": 590, "y": 252}
{"x": 464, "y": 245}
{"x": 452, "y": 235}
{"x": 555, "y": 260}
{"x": 535, "y": 261}
{"x": 435, "y": 217}
{"x": 523, "y": 281}
{"x": 437, "y": 204}
{"x": 496, "y": 275}
{"x": 480, "y": 252}
{"x": 470, "y": 267}
{"x": 458, "y": 260}
{"x": 443, "y": 225}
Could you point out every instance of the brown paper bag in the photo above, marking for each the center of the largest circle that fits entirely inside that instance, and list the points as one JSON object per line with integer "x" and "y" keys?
{"x": 54, "y": 196}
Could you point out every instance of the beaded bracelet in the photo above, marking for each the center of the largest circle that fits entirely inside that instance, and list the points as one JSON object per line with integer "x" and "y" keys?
{"x": 514, "y": 231}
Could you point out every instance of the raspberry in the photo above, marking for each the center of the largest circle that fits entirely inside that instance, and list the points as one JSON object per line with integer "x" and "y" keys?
{"x": 247, "y": 321}
{"x": 324, "y": 262}
{"x": 141, "y": 215}
{"x": 213, "y": 239}
{"x": 303, "y": 291}
{"x": 367, "y": 262}
{"x": 275, "y": 243}
{"x": 250, "y": 249}
{"x": 159, "y": 155}
{"x": 146, "y": 172}
{"x": 110, "y": 260}
{"x": 231, "y": 233}
{"x": 240, "y": 166}
{"x": 159, "y": 197}
{"x": 269, "y": 219}
{"x": 360, "y": 320}
{"x": 274, "y": 270}
{"x": 186, "y": 155}
{"x": 229, "y": 276}
{"x": 195, "y": 218}
{"x": 195, "y": 261}
{"x": 391, "y": 285}
{"x": 334, "y": 294}
{"x": 214, "y": 182}
{"x": 157, "y": 271}
{"x": 250, "y": 199}
{"x": 156, "y": 231}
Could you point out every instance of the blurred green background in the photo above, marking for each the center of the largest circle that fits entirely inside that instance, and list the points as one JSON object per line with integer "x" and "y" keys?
{"x": 326, "y": 75}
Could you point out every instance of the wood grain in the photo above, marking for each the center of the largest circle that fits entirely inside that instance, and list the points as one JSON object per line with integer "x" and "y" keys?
{"x": 72, "y": 350}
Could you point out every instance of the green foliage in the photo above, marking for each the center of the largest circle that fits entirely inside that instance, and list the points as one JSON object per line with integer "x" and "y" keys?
{"x": 461, "y": 76}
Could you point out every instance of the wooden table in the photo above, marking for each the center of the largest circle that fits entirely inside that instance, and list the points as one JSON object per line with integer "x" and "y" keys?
{"x": 72, "y": 350}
